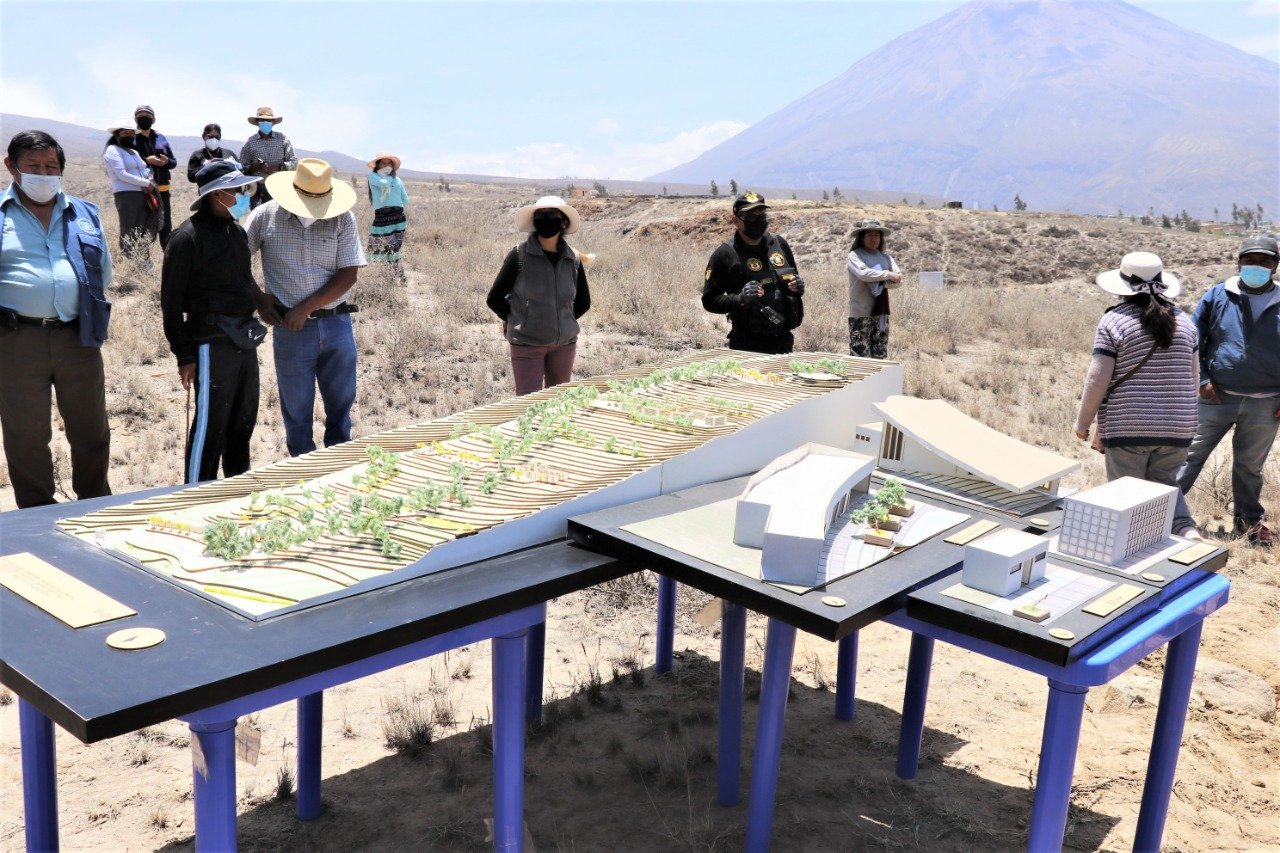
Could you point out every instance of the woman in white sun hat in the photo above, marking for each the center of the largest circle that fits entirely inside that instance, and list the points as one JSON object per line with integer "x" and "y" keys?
{"x": 540, "y": 293}
{"x": 1143, "y": 379}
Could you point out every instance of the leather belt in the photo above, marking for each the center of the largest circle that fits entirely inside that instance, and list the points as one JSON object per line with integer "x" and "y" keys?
{"x": 344, "y": 308}
{"x": 48, "y": 322}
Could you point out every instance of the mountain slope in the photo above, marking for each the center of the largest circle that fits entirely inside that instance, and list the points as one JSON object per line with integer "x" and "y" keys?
{"x": 1091, "y": 106}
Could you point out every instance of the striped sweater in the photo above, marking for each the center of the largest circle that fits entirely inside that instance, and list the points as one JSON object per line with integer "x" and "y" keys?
{"x": 1156, "y": 406}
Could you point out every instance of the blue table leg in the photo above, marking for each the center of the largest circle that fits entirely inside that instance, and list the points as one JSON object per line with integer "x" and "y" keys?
{"x": 215, "y": 787}
{"x": 733, "y": 646}
{"x": 310, "y": 726}
{"x": 509, "y": 700}
{"x": 535, "y": 657}
{"x": 1175, "y": 691}
{"x": 666, "y": 624}
{"x": 775, "y": 683}
{"x": 846, "y": 676}
{"x": 919, "y": 664}
{"x": 1057, "y": 765}
{"x": 39, "y": 777}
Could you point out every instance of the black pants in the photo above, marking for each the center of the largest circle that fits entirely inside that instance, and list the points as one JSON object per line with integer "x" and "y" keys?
{"x": 166, "y": 219}
{"x": 769, "y": 344}
{"x": 226, "y": 411}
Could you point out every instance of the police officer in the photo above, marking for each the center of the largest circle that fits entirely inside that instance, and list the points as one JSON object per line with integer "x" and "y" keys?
{"x": 753, "y": 279}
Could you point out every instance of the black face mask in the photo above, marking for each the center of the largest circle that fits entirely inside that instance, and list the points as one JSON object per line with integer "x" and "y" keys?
{"x": 548, "y": 226}
{"x": 127, "y": 142}
{"x": 145, "y": 123}
{"x": 755, "y": 227}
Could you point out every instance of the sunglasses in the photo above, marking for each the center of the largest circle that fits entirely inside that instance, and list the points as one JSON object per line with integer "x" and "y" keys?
{"x": 759, "y": 217}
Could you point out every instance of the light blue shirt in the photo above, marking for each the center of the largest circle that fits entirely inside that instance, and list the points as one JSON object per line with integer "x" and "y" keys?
{"x": 36, "y": 278}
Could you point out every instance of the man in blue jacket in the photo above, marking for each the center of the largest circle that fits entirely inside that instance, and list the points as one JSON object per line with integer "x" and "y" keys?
{"x": 1239, "y": 323}
{"x": 54, "y": 270}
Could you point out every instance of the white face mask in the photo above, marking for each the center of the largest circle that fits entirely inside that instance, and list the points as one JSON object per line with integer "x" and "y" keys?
{"x": 40, "y": 188}
{"x": 306, "y": 221}
{"x": 212, "y": 144}
{"x": 384, "y": 171}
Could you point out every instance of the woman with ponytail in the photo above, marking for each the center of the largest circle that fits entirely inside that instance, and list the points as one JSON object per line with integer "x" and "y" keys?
{"x": 1143, "y": 379}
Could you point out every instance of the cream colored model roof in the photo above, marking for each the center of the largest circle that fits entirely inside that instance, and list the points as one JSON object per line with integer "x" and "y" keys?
{"x": 974, "y": 446}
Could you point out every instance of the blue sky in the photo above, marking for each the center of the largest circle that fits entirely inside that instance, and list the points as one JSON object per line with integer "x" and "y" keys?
{"x": 604, "y": 89}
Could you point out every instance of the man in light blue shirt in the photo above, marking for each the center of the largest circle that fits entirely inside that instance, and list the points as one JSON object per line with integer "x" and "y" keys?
{"x": 54, "y": 270}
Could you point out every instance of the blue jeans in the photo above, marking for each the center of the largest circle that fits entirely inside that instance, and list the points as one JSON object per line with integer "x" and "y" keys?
{"x": 322, "y": 353}
{"x": 1255, "y": 425}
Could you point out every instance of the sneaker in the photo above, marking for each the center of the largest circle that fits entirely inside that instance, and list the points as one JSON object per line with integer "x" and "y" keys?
{"x": 1260, "y": 535}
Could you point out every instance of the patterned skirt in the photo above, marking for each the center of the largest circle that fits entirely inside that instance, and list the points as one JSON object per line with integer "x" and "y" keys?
{"x": 386, "y": 235}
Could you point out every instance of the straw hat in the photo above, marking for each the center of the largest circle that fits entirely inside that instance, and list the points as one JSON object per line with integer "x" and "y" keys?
{"x": 524, "y": 216}
{"x": 1140, "y": 272}
{"x": 265, "y": 114}
{"x": 311, "y": 190}
{"x": 395, "y": 161}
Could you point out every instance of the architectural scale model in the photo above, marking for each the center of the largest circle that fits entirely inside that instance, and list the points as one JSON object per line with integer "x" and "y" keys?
{"x": 427, "y": 497}
{"x": 1116, "y": 520}
{"x": 934, "y": 447}
{"x": 1004, "y": 561}
{"x": 788, "y": 507}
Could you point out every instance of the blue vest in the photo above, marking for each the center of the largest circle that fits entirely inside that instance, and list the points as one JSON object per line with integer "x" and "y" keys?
{"x": 82, "y": 235}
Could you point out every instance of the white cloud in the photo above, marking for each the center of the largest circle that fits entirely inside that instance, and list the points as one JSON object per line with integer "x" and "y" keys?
{"x": 25, "y": 97}
{"x": 1264, "y": 45}
{"x": 186, "y": 98}
{"x": 616, "y": 160}
{"x": 606, "y": 126}
{"x": 1264, "y": 9}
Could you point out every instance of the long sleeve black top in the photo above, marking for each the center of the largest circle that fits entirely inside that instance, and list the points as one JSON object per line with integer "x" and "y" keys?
{"x": 206, "y": 272}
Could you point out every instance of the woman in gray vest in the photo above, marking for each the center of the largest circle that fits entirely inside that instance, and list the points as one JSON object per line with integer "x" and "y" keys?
{"x": 872, "y": 274}
{"x": 539, "y": 294}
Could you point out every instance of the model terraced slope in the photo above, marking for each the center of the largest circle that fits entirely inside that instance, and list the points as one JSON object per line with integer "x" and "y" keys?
{"x": 410, "y": 501}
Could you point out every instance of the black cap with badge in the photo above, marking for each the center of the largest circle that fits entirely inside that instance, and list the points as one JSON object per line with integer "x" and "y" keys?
{"x": 749, "y": 200}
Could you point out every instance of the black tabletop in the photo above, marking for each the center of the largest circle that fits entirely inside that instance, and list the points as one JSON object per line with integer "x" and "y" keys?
{"x": 212, "y": 655}
{"x": 869, "y": 594}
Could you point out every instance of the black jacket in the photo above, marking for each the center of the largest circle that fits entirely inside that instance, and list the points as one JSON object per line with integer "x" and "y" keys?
{"x": 733, "y": 264}
{"x": 158, "y": 145}
{"x": 206, "y": 272}
{"x": 203, "y": 155}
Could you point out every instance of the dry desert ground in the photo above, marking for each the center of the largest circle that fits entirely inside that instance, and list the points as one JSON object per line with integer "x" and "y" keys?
{"x": 624, "y": 759}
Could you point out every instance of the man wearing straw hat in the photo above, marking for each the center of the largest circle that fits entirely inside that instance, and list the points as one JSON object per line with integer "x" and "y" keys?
{"x": 207, "y": 300}
{"x": 311, "y": 253}
{"x": 267, "y": 151}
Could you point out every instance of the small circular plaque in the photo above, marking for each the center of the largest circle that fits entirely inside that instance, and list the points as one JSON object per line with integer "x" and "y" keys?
{"x": 1154, "y": 577}
{"x": 1061, "y": 634}
{"x": 833, "y": 601}
{"x": 1041, "y": 522}
{"x": 135, "y": 638}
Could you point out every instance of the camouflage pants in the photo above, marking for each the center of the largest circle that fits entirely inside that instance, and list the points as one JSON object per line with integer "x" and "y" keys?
{"x": 866, "y": 339}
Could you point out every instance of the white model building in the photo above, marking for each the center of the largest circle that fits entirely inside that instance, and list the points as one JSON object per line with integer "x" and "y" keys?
{"x": 933, "y": 437}
{"x": 1004, "y": 561}
{"x": 787, "y": 508}
{"x": 1109, "y": 523}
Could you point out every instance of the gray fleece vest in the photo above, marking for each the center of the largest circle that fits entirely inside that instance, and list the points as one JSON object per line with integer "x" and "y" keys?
{"x": 542, "y": 298}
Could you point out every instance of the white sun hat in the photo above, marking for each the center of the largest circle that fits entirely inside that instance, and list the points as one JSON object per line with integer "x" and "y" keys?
{"x": 1140, "y": 272}
{"x": 524, "y": 216}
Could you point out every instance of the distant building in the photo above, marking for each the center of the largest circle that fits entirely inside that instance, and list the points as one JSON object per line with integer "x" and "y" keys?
{"x": 1116, "y": 520}
{"x": 577, "y": 192}
{"x": 955, "y": 205}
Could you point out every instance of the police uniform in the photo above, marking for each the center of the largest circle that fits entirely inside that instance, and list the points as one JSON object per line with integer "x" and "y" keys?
{"x": 763, "y": 324}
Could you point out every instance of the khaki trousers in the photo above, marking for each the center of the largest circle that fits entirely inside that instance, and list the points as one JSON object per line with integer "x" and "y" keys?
{"x": 33, "y": 362}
